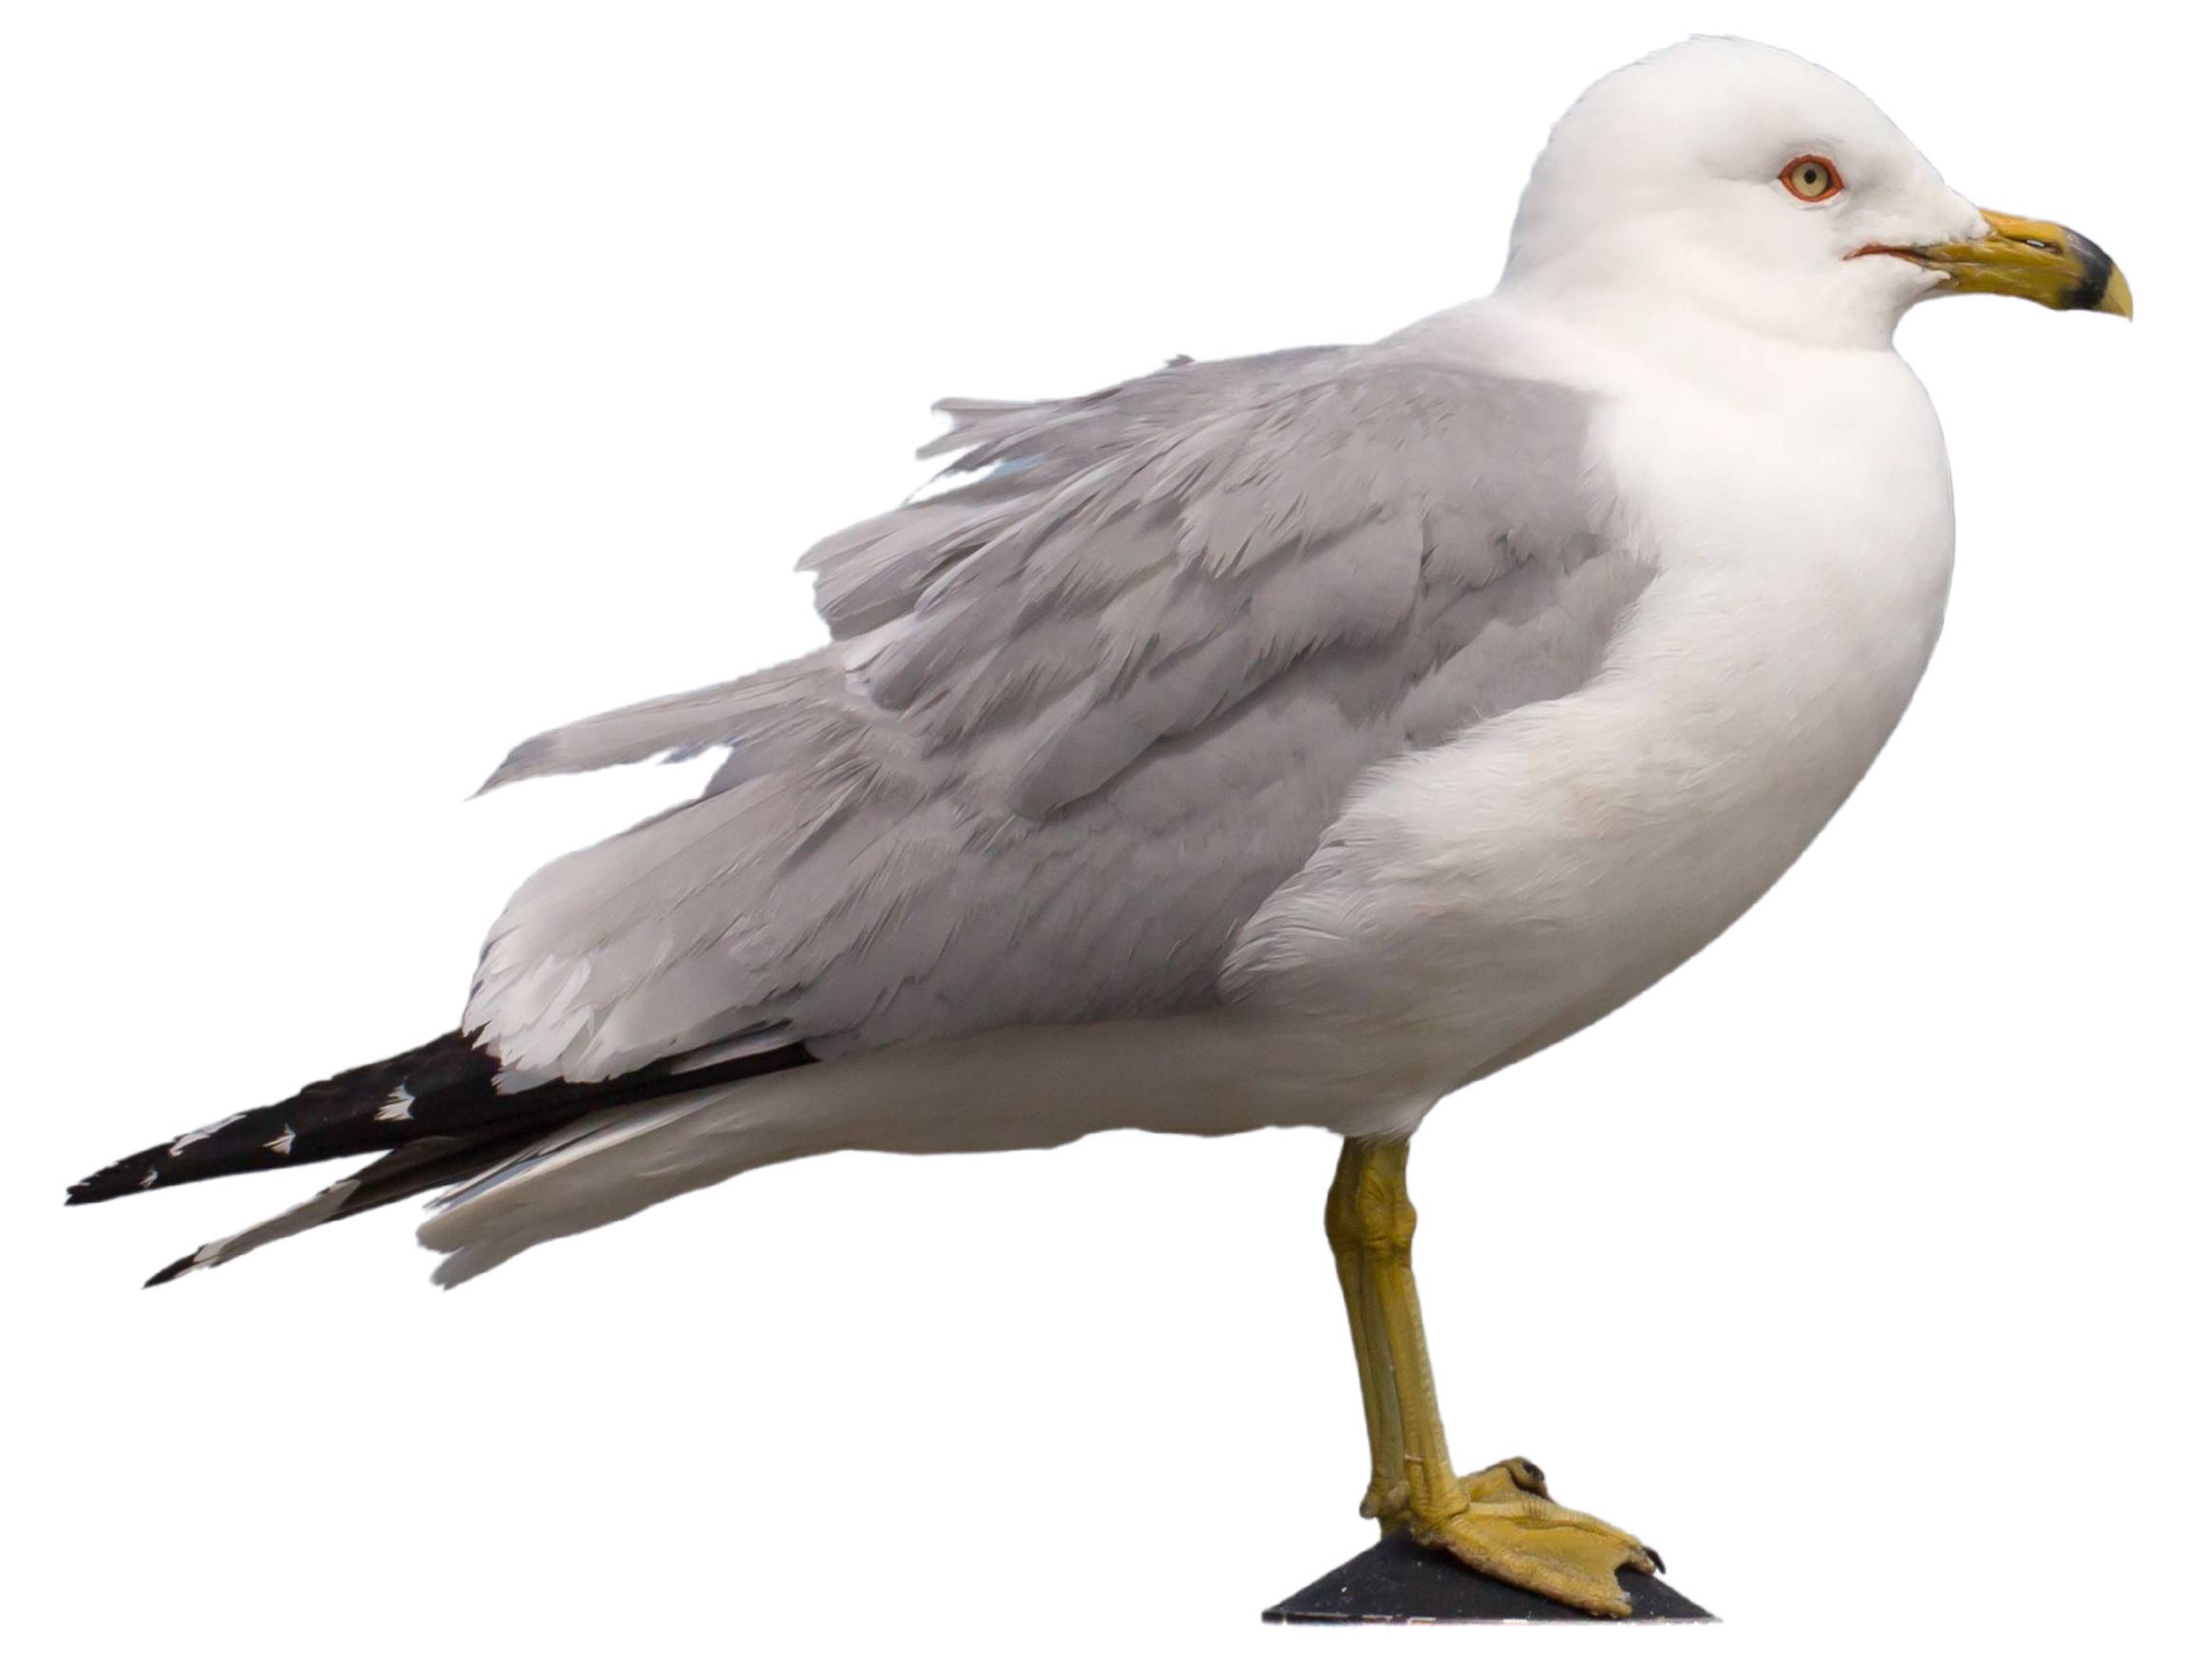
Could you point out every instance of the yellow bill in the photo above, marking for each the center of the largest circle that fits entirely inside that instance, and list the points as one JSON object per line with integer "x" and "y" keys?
{"x": 2030, "y": 258}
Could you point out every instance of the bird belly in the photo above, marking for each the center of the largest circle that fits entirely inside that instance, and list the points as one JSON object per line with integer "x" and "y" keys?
{"x": 1487, "y": 898}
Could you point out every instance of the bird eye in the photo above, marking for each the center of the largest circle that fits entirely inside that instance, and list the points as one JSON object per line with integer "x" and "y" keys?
{"x": 1812, "y": 179}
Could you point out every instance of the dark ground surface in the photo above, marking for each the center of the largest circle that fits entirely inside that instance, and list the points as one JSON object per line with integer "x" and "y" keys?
{"x": 1399, "y": 1582}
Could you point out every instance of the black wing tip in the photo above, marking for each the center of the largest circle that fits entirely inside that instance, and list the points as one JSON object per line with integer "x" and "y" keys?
{"x": 176, "y": 1269}
{"x": 479, "y": 1128}
{"x": 340, "y": 1117}
{"x": 118, "y": 1180}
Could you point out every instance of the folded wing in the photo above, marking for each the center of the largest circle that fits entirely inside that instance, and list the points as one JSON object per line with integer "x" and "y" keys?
{"x": 1081, "y": 712}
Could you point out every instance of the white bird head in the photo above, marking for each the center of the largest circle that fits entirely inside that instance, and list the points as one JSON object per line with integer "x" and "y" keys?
{"x": 1737, "y": 181}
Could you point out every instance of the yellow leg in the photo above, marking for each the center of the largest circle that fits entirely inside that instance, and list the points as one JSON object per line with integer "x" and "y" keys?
{"x": 1499, "y": 1520}
{"x": 1370, "y": 1345}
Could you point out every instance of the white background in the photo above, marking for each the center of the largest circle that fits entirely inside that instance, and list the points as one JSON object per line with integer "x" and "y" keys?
{"x": 384, "y": 383}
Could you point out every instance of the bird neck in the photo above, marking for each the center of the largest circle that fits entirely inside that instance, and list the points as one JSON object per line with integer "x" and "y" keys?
{"x": 1668, "y": 338}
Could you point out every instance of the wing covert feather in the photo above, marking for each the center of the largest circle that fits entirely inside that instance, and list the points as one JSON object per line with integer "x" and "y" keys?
{"x": 1080, "y": 712}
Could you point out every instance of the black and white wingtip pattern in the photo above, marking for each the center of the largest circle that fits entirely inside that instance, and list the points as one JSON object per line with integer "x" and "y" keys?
{"x": 372, "y": 1108}
{"x": 436, "y": 1114}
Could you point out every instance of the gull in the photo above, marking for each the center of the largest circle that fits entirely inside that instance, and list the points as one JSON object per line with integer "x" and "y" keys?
{"x": 1289, "y": 741}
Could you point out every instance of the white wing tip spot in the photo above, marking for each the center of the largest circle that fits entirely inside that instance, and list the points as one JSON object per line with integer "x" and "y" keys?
{"x": 398, "y": 1108}
{"x": 282, "y": 1144}
{"x": 203, "y": 1132}
{"x": 151, "y": 1176}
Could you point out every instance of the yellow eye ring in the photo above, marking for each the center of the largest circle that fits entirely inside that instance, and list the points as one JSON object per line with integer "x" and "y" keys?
{"x": 1812, "y": 179}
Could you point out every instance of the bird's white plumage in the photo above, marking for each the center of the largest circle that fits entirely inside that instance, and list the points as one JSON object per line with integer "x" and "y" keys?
{"x": 1754, "y": 446}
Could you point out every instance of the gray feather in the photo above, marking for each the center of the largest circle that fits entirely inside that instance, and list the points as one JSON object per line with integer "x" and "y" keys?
{"x": 1082, "y": 714}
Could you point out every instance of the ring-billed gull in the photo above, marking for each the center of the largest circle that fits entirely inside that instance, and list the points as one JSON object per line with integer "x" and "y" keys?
{"x": 1288, "y": 740}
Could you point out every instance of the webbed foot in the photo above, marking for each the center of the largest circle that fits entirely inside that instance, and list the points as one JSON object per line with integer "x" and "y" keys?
{"x": 1511, "y": 1529}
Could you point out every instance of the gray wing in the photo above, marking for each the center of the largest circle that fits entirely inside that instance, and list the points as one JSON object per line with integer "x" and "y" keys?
{"x": 1081, "y": 714}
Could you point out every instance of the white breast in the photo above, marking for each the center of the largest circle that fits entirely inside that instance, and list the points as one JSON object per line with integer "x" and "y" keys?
{"x": 1492, "y": 896}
